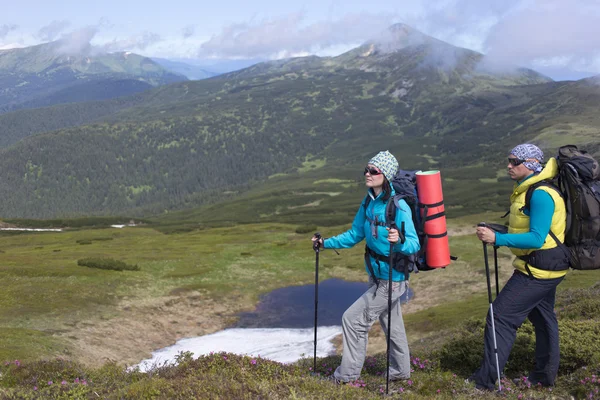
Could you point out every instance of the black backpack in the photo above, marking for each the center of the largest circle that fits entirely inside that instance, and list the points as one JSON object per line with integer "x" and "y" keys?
{"x": 405, "y": 187}
{"x": 578, "y": 182}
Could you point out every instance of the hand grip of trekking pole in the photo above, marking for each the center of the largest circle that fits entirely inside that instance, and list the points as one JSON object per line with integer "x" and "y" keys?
{"x": 401, "y": 232}
{"x": 317, "y": 243}
{"x": 495, "y": 227}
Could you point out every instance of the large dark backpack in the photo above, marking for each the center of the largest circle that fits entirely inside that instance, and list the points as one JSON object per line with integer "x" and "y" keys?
{"x": 578, "y": 181}
{"x": 405, "y": 188}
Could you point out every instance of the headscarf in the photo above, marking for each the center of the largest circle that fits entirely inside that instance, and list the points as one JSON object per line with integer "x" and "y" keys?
{"x": 531, "y": 153}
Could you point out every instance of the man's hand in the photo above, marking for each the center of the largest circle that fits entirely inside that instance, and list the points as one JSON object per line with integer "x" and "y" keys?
{"x": 486, "y": 235}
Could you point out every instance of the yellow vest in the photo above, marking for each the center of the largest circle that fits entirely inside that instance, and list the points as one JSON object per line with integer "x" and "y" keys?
{"x": 519, "y": 222}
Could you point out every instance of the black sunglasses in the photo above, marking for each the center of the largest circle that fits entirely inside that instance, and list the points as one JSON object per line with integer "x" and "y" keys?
{"x": 515, "y": 161}
{"x": 372, "y": 171}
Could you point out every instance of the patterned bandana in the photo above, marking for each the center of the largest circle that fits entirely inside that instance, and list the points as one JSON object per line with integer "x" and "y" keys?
{"x": 529, "y": 152}
{"x": 387, "y": 163}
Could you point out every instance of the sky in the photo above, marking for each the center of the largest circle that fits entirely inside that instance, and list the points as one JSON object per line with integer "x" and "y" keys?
{"x": 559, "y": 38}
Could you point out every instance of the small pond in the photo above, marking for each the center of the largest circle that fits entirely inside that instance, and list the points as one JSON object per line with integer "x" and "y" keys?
{"x": 294, "y": 306}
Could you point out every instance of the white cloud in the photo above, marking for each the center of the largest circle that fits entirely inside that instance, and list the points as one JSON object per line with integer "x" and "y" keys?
{"x": 51, "y": 31}
{"x": 528, "y": 33}
{"x": 132, "y": 43}
{"x": 547, "y": 32}
{"x": 6, "y": 29}
{"x": 77, "y": 42}
{"x": 290, "y": 35}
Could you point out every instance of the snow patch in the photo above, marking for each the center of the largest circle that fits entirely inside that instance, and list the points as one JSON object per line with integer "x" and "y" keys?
{"x": 277, "y": 344}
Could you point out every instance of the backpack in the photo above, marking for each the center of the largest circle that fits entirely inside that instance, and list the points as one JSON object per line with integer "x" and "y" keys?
{"x": 578, "y": 182}
{"x": 405, "y": 188}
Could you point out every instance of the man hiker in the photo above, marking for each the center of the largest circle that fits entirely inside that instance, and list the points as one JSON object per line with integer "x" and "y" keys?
{"x": 370, "y": 224}
{"x": 535, "y": 236}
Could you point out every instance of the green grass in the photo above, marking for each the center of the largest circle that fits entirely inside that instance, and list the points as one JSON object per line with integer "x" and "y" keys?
{"x": 46, "y": 297}
{"x": 45, "y": 290}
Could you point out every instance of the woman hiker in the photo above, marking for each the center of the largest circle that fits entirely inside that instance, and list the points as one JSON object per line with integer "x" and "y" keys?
{"x": 541, "y": 264}
{"x": 370, "y": 224}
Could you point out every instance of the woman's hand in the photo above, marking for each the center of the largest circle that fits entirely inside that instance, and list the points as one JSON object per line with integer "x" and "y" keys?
{"x": 316, "y": 238}
{"x": 393, "y": 235}
{"x": 486, "y": 235}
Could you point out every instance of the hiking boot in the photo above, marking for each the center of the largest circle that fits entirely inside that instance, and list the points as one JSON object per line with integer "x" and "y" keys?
{"x": 335, "y": 380}
{"x": 397, "y": 378}
{"x": 478, "y": 388}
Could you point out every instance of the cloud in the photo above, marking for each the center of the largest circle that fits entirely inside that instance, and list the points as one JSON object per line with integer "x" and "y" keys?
{"x": 554, "y": 33}
{"x": 51, "y": 31}
{"x": 527, "y": 33}
{"x": 6, "y": 29}
{"x": 132, "y": 43}
{"x": 289, "y": 35}
{"x": 188, "y": 31}
{"x": 77, "y": 42}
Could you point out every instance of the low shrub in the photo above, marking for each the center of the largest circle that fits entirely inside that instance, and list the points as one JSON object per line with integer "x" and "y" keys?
{"x": 302, "y": 229}
{"x": 107, "y": 263}
{"x": 579, "y": 347}
{"x": 579, "y": 304}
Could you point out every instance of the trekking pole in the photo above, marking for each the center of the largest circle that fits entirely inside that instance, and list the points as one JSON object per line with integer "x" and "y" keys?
{"x": 489, "y": 288}
{"x": 316, "y": 246}
{"x": 402, "y": 239}
{"x": 496, "y": 268}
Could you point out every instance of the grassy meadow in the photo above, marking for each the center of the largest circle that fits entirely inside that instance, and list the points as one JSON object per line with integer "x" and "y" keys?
{"x": 67, "y": 324}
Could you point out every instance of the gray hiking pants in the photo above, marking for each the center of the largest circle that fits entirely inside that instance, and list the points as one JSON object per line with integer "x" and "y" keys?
{"x": 357, "y": 322}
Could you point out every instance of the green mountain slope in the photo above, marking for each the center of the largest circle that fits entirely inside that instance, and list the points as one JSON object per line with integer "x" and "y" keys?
{"x": 192, "y": 72}
{"x": 308, "y": 124}
{"x": 50, "y": 73}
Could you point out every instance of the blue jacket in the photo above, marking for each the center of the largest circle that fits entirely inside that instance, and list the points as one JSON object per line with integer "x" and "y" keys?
{"x": 363, "y": 228}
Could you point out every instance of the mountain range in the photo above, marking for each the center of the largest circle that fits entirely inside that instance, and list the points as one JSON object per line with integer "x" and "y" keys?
{"x": 190, "y": 71}
{"x": 285, "y": 140}
{"x": 52, "y": 73}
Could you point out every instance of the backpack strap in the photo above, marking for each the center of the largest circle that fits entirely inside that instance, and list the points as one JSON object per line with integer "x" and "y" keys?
{"x": 366, "y": 202}
{"x": 370, "y": 266}
{"x": 527, "y": 205}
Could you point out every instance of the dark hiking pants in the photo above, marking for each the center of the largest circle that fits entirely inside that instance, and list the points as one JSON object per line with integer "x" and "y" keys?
{"x": 522, "y": 297}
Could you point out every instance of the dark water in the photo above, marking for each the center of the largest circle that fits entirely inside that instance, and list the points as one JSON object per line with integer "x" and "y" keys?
{"x": 294, "y": 306}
